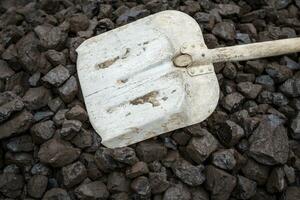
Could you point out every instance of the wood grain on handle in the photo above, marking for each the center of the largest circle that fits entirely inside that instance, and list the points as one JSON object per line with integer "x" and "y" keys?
{"x": 251, "y": 51}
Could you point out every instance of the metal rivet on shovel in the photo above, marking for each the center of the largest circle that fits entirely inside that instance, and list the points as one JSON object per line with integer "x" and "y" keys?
{"x": 156, "y": 75}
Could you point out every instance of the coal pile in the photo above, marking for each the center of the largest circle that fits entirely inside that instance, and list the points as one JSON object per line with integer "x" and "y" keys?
{"x": 249, "y": 148}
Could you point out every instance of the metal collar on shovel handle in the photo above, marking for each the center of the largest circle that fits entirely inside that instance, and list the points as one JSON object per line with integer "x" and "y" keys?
{"x": 155, "y": 75}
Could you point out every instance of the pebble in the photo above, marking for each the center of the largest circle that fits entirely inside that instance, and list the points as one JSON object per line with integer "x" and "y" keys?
{"x": 188, "y": 173}
{"x": 42, "y": 131}
{"x": 56, "y": 193}
{"x": 199, "y": 148}
{"x": 141, "y": 186}
{"x": 20, "y": 144}
{"x": 16, "y": 125}
{"x": 269, "y": 142}
{"x": 224, "y": 159}
{"x": 256, "y": 171}
{"x": 94, "y": 190}
{"x": 245, "y": 188}
{"x": 68, "y": 90}
{"x": 225, "y": 31}
{"x": 57, "y": 76}
{"x": 138, "y": 169}
{"x": 73, "y": 174}
{"x": 151, "y": 150}
{"x": 178, "y": 192}
{"x": 219, "y": 189}
{"x": 57, "y": 153}
{"x": 36, "y": 98}
{"x": 37, "y": 185}
{"x": 117, "y": 182}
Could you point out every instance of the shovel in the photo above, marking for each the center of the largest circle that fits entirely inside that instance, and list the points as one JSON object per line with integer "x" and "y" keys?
{"x": 156, "y": 75}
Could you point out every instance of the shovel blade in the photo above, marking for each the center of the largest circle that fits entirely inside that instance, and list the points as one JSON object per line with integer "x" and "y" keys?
{"x": 130, "y": 86}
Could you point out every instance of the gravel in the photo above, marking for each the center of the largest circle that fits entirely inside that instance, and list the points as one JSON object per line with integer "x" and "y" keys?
{"x": 247, "y": 149}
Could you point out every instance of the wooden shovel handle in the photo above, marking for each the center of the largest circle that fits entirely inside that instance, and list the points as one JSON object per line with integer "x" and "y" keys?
{"x": 251, "y": 51}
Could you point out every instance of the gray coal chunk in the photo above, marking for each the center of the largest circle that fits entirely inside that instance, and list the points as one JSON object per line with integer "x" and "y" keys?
{"x": 57, "y": 76}
{"x": 117, "y": 182}
{"x": 141, "y": 186}
{"x": 276, "y": 181}
{"x": 138, "y": 169}
{"x": 125, "y": 155}
{"x": 92, "y": 191}
{"x": 269, "y": 142}
{"x": 68, "y": 90}
{"x": 21, "y": 143}
{"x": 225, "y": 31}
{"x": 11, "y": 184}
{"x": 37, "y": 185}
{"x": 245, "y": 188}
{"x": 220, "y": 190}
{"x": 16, "y": 125}
{"x": 57, "y": 153}
{"x": 224, "y": 159}
{"x": 36, "y": 98}
{"x": 42, "y": 131}
{"x": 188, "y": 173}
{"x": 158, "y": 182}
{"x": 200, "y": 148}
{"x": 56, "y": 193}
{"x": 178, "y": 192}
{"x": 292, "y": 193}
{"x": 73, "y": 174}
{"x": 151, "y": 150}
{"x": 256, "y": 171}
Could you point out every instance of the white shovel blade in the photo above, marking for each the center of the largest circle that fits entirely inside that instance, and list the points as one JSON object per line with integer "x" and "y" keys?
{"x": 130, "y": 86}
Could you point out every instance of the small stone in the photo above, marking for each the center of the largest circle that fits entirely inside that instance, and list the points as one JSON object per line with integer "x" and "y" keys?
{"x": 73, "y": 174}
{"x": 269, "y": 142}
{"x": 181, "y": 138}
{"x": 19, "y": 144}
{"x": 266, "y": 81}
{"x": 56, "y": 57}
{"x": 34, "y": 79}
{"x": 104, "y": 159}
{"x": 141, "y": 186}
{"x": 138, "y": 169}
{"x": 12, "y": 168}
{"x": 151, "y": 150}
{"x": 94, "y": 190}
{"x": 158, "y": 182}
{"x": 292, "y": 193}
{"x": 78, "y": 22}
{"x": 8, "y": 108}
{"x": 42, "y": 116}
{"x": 36, "y": 98}
{"x": 57, "y": 76}
{"x": 125, "y": 155}
{"x": 92, "y": 170}
{"x": 59, "y": 117}
{"x": 228, "y": 9}
{"x": 28, "y": 52}
{"x": 291, "y": 87}
{"x": 279, "y": 73}
{"x": 56, "y": 193}
{"x": 230, "y": 71}
{"x": 261, "y": 194}
{"x": 249, "y": 90}
{"x": 51, "y": 37}
{"x": 289, "y": 174}
{"x": 40, "y": 169}
{"x": 178, "y": 192}
{"x": 232, "y": 101}
{"x": 230, "y": 133}
{"x": 11, "y": 184}
{"x": 256, "y": 171}
{"x": 83, "y": 139}
{"x": 68, "y": 90}
{"x": 245, "y": 188}
{"x": 291, "y": 64}
{"x": 224, "y": 30}
{"x": 196, "y": 130}
{"x": 117, "y": 182}
{"x": 224, "y": 159}
{"x": 16, "y": 125}
{"x": 70, "y": 128}
{"x": 199, "y": 148}
{"x": 57, "y": 153}
{"x": 42, "y": 131}
{"x": 276, "y": 181}
{"x": 119, "y": 196}
{"x": 5, "y": 70}
{"x": 188, "y": 173}
{"x": 254, "y": 67}
{"x": 55, "y": 104}
{"x": 219, "y": 189}
{"x": 37, "y": 185}
{"x": 199, "y": 194}
{"x": 77, "y": 113}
